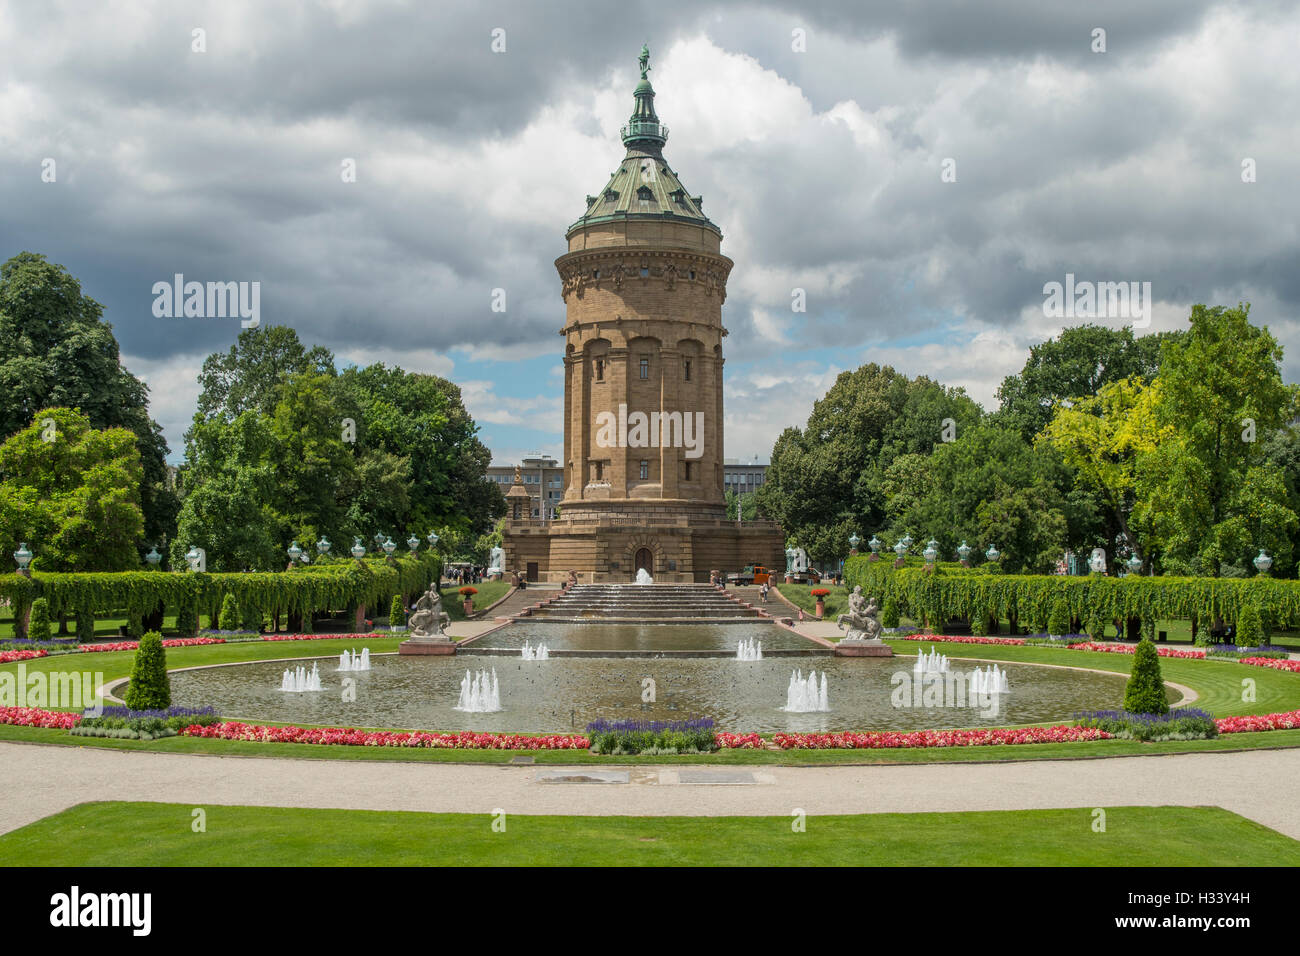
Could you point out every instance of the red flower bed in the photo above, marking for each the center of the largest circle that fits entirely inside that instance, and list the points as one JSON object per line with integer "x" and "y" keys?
{"x": 885, "y": 740}
{"x": 36, "y": 717}
{"x": 1256, "y": 722}
{"x": 1131, "y": 648}
{"x": 467, "y": 591}
{"x": 133, "y": 645}
{"x": 322, "y": 637}
{"x": 739, "y": 741}
{"x": 8, "y": 657}
{"x": 958, "y": 639}
{"x": 819, "y": 592}
{"x": 347, "y": 736}
{"x": 1278, "y": 664}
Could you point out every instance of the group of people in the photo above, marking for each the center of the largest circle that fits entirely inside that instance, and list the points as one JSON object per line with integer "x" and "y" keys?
{"x": 466, "y": 575}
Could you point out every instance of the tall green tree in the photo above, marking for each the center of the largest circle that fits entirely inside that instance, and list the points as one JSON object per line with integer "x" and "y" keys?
{"x": 56, "y": 351}
{"x": 987, "y": 487}
{"x": 72, "y": 492}
{"x": 248, "y": 376}
{"x": 230, "y": 480}
{"x": 826, "y": 481}
{"x": 422, "y": 419}
{"x": 1074, "y": 365}
{"x": 1209, "y": 494}
{"x": 1104, "y": 437}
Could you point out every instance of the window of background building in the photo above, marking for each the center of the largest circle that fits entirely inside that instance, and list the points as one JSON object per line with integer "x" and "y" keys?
{"x": 645, "y": 469}
{"x": 688, "y": 470}
{"x": 686, "y": 370}
{"x": 600, "y": 370}
{"x": 645, "y": 367}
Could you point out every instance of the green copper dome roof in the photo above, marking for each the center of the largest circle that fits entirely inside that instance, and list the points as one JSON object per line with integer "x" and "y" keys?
{"x": 644, "y": 186}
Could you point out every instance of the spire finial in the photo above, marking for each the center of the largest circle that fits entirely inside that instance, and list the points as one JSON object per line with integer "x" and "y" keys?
{"x": 644, "y": 128}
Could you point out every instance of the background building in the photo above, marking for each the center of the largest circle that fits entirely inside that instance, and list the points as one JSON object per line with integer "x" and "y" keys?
{"x": 542, "y": 478}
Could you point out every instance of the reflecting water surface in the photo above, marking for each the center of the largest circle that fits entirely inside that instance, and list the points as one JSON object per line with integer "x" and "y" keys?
{"x": 563, "y": 694}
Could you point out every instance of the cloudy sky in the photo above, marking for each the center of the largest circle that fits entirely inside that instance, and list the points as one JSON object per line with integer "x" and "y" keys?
{"x": 818, "y": 134}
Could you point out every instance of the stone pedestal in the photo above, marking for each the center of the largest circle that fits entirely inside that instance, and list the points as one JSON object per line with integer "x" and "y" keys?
{"x": 860, "y": 648}
{"x": 427, "y": 646}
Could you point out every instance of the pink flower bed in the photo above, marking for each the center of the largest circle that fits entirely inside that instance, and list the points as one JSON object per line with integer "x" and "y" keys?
{"x": 8, "y": 657}
{"x": 322, "y": 637}
{"x": 36, "y": 717}
{"x": 1278, "y": 664}
{"x": 347, "y": 736}
{"x": 1131, "y": 648}
{"x": 958, "y": 639}
{"x": 887, "y": 740}
{"x": 134, "y": 645}
{"x": 1257, "y": 722}
{"x": 728, "y": 741}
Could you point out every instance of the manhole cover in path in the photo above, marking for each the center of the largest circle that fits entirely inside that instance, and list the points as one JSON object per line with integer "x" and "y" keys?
{"x": 716, "y": 776}
{"x": 581, "y": 776}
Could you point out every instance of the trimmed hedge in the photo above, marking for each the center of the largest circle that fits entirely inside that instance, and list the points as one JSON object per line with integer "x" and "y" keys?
{"x": 313, "y": 588}
{"x": 396, "y": 613}
{"x": 954, "y": 592}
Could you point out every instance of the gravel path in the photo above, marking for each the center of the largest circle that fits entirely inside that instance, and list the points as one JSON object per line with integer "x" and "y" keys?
{"x": 40, "y": 780}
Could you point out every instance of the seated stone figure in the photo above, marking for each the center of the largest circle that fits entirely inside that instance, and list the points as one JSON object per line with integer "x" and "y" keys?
{"x": 863, "y": 624}
{"x": 428, "y": 618}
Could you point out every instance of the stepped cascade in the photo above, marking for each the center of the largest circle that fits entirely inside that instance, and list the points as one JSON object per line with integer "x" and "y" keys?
{"x": 660, "y": 603}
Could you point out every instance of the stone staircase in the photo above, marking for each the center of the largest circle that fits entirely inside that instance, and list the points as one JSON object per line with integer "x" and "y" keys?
{"x": 653, "y": 603}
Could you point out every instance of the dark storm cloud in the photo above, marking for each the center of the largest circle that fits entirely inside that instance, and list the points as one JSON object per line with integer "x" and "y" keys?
{"x": 225, "y": 165}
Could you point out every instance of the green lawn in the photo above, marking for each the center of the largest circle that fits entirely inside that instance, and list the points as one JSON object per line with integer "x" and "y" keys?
{"x": 161, "y": 834}
{"x": 489, "y": 592}
{"x": 837, "y": 602}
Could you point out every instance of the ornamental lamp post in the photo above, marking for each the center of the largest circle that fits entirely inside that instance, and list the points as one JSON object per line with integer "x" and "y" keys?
{"x": 900, "y": 551}
{"x": 875, "y": 544}
{"x": 854, "y": 541}
{"x": 1263, "y": 562}
{"x": 433, "y": 540}
{"x": 389, "y": 547}
{"x": 413, "y": 543}
{"x": 931, "y": 552}
{"x": 294, "y": 552}
{"x": 992, "y": 554}
{"x": 358, "y": 549}
{"x": 323, "y": 546}
{"x": 963, "y": 553}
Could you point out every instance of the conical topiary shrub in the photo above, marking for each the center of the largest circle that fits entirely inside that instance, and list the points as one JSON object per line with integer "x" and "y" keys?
{"x": 230, "y": 616}
{"x": 187, "y": 618}
{"x": 38, "y": 625}
{"x": 396, "y": 613}
{"x": 149, "y": 688}
{"x": 1249, "y": 633}
{"x": 1097, "y": 625}
{"x": 889, "y": 613}
{"x": 1058, "y": 620}
{"x": 1145, "y": 691}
